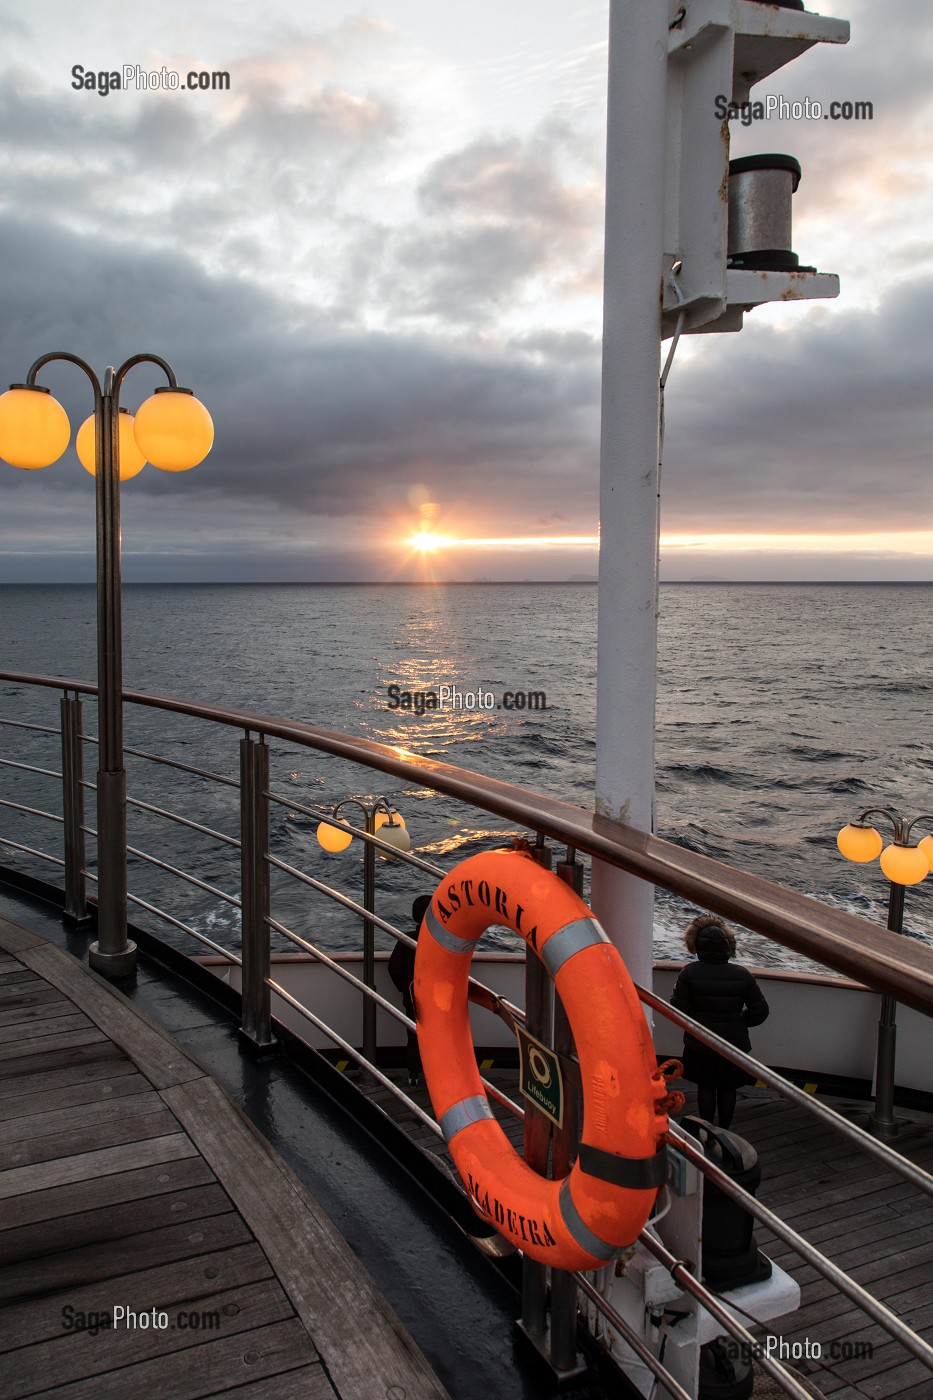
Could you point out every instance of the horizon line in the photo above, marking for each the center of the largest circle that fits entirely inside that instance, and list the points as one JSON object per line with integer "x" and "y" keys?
{"x": 472, "y": 583}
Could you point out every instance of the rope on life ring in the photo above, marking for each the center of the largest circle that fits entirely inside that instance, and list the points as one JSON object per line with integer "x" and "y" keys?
{"x": 599, "y": 1208}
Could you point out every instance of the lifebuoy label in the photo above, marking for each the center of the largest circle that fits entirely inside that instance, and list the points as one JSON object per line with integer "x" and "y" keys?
{"x": 540, "y": 1080}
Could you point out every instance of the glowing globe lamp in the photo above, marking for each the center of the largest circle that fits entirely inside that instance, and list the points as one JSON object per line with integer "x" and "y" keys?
{"x": 174, "y": 430}
{"x": 926, "y": 846}
{"x": 333, "y": 838}
{"x": 859, "y": 843}
{"x": 383, "y": 817}
{"x": 904, "y": 865}
{"x": 34, "y": 428}
{"x": 132, "y": 460}
{"x": 395, "y": 834}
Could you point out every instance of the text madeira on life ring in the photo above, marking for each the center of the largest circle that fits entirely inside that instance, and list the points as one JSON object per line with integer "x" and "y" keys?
{"x": 597, "y": 1210}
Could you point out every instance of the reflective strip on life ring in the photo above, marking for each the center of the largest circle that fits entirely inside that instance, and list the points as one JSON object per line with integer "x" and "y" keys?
{"x": 586, "y": 1219}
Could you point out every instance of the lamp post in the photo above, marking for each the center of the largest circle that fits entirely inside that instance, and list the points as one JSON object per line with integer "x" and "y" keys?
{"x": 382, "y": 819}
{"x": 174, "y": 432}
{"x": 903, "y": 864}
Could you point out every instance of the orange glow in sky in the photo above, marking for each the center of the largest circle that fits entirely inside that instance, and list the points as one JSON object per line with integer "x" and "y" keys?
{"x": 426, "y": 542}
{"x": 905, "y": 542}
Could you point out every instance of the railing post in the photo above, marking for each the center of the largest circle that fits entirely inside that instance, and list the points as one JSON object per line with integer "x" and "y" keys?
{"x": 537, "y": 1146}
{"x": 555, "y": 1339}
{"x": 537, "y": 1128}
{"x": 256, "y": 1029}
{"x": 882, "y": 1123}
{"x": 369, "y": 940}
{"x": 75, "y": 911}
{"x": 566, "y": 1141}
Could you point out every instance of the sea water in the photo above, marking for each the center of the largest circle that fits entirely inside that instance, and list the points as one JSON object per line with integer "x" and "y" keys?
{"x": 783, "y": 712}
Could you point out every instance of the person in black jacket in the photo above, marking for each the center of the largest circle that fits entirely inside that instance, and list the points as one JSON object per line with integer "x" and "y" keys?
{"x": 402, "y": 972}
{"x": 725, "y": 999}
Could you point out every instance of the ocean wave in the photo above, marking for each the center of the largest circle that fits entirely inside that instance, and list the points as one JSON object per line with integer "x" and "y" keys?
{"x": 901, "y": 687}
{"x": 815, "y": 755}
{"x": 705, "y": 773}
{"x": 847, "y": 785}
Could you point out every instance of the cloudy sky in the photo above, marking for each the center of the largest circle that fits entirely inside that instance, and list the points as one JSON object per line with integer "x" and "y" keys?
{"x": 378, "y": 258}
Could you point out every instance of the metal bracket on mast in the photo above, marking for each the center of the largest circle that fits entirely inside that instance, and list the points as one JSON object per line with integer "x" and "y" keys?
{"x": 717, "y": 50}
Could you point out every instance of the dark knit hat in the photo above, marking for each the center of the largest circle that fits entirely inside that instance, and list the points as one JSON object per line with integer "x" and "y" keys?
{"x": 420, "y": 907}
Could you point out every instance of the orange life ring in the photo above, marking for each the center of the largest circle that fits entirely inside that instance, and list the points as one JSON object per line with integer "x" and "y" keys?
{"x": 597, "y": 1210}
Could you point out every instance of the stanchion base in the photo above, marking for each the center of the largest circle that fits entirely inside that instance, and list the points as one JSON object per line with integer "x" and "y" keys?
{"x": 541, "y": 1341}
{"x": 121, "y": 964}
{"x": 884, "y": 1131}
{"x": 257, "y": 1049}
{"x": 78, "y": 922}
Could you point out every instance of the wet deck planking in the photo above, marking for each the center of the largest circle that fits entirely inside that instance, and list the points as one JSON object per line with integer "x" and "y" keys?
{"x": 127, "y": 1178}
{"x": 859, "y": 1214}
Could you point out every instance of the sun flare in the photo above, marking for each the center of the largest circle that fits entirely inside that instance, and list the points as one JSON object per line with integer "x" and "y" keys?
{"x": 427, "y": 542}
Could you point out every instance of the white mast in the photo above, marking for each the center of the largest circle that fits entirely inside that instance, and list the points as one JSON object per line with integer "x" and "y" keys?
{"x": 627, "y": 630}
{"x": 667, "y": 182}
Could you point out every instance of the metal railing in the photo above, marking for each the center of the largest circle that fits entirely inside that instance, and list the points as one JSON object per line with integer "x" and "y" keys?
{"x": 842, "y": 941}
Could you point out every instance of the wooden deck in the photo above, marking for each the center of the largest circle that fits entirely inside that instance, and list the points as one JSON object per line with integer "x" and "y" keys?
{"x": 128, "y": 1180}
{"x": 864, "y": 1218}
{"x": 861, "y": 1216}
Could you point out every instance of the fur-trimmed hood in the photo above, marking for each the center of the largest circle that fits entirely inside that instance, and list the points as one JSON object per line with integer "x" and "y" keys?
{"x": 708, "y": 921}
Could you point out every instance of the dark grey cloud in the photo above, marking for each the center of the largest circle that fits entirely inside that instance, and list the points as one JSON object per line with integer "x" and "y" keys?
{"x": 310, "y": 417}
{"x": 500, "y": 215}
{"x": 824, "y": 425}
{"x": 246, "y": 181}
{"x": 59, "y": 123}
{"x": 817, "y": 426}
{"x": 509, "y": 179}
{"x": 349, "y": 350}
{"x": 266, "y": 182}
{"x": 466, "y": 274}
